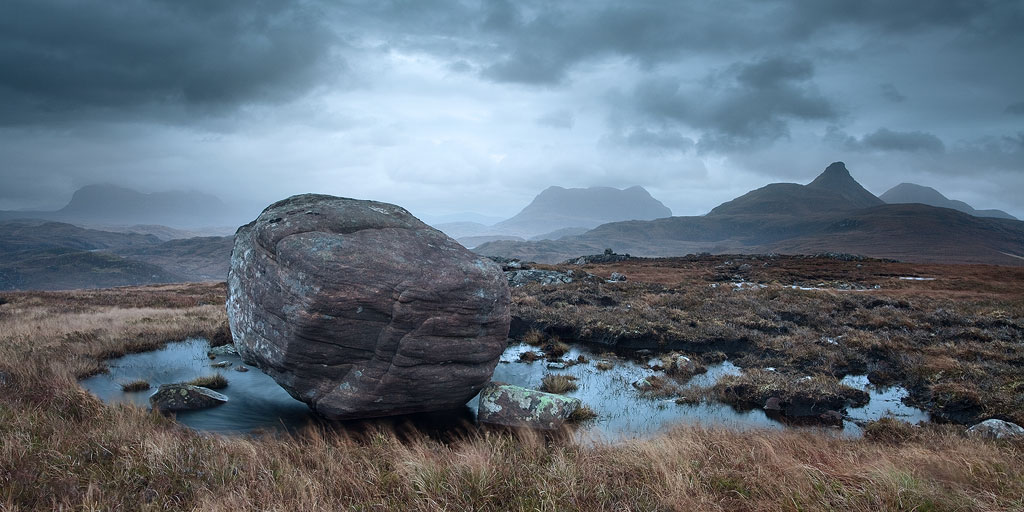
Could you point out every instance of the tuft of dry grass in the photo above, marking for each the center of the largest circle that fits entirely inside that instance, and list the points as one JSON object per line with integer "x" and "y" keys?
{"x": 135, "y": 385}
{"x": 215, "y": 381}
{"x": 555, "y": 348}
{"x": 534, "y": 338}
{"x": 584, "y": 413}
{"x": 891, "y": 430}
{"x": 530, "y": 356}
{"x": 559, "y": 384}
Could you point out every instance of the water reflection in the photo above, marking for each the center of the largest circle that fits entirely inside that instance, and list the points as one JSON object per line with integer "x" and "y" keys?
{"x": 258, "y": 403}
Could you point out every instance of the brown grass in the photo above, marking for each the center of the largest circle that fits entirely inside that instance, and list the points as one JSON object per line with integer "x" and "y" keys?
{"x": 61, "y": 448}
{"x": 135, "y": 385}
{"x": 215, "y": 381}
{"x": 559, "y": 384}
{"x": 954, "y": 342}
{"x": 534, "y": 337}
{"x": 584, "y": 413}
{"x": 530, "y": 356}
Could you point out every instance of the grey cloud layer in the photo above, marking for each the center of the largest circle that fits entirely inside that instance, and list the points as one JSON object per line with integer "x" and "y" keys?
{"x": 70, "y": 59}
{"x": 634, "y": 89}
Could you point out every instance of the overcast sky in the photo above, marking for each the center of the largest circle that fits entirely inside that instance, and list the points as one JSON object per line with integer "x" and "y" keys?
{"x": 444, "y": 106}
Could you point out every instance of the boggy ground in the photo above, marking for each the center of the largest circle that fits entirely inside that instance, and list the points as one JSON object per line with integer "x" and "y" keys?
{"x": 953, "y": 335}
{"x": 61, "y": 448}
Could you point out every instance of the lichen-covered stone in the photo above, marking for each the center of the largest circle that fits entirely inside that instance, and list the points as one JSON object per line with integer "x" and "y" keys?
{"x": 360, "y": 310}
{"x": 997, "y": 429}
{"x": 513, "y": 406}
{"x": 184, "y": 397}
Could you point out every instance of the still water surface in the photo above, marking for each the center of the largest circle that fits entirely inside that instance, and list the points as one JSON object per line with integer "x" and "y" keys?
{"x": 257, "y": 403}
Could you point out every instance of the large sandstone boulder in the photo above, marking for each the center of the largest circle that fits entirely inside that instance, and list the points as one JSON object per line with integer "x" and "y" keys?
{"x": 360, "y": 310}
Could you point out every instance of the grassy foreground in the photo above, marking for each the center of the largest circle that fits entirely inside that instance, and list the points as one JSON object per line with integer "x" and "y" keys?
{"x": 61, "y": 448}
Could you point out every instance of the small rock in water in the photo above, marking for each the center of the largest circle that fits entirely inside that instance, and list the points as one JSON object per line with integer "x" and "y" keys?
{"x": 996, "y": 429}
{"x": 224, "y": 350}
{"x": 513, "y": 406}
{"x": 241, "y": 368}
{"x": 773, "y": 404}
{"x": 222, "y": 364}
{"x": 184, "y": 397}
{"x": 556, "y": 365}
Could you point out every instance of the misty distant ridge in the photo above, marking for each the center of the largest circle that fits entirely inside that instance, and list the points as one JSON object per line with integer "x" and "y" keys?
{"x": 559, "y": 211}
{"x": 912, "y": 193}
{"x": 112, "y": 205}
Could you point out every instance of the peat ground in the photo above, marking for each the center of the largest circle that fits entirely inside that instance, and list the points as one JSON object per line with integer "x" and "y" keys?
{"x": 60, "y": 447}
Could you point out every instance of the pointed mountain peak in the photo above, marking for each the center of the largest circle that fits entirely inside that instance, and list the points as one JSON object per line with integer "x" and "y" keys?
{"x": 836, "y": 178}
{"x": 837, "y": 168}
{"x": 834, "y": 174}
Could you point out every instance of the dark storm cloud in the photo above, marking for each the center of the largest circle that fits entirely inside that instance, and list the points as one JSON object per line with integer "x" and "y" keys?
{"x": 748, "y": 102}
{"x": 63, "y": 59}
{"x": 885, "y": 139}
{"x": 808, "y": 16}
{"x": 888, "y": 140}
{"x": 540, "y": 42}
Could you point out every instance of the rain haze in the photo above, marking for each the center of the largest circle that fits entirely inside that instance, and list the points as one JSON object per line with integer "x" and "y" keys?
{"x": 450, "y": 107}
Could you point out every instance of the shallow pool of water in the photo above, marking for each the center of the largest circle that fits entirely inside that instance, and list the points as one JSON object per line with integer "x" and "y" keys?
{"x": 256, "y": 402}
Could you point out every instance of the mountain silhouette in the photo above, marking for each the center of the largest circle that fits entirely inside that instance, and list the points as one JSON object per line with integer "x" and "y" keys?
{"x": 833, "y": 190}
{"x": 557, "y": 208}
{"x": 833, "y": 213}
{"x": 913, "y": 193}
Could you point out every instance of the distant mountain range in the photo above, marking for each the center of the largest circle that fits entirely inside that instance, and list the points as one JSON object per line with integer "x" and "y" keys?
{"x": 557, "y": 212}
{"x": 833, "y": 213}
{"x": 46, "y": 255}
{"x": 910, "y": 193}
{"x": 112, "y": 205}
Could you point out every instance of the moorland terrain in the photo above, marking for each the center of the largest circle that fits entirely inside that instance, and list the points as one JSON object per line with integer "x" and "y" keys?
{"x": 951, "y": 336}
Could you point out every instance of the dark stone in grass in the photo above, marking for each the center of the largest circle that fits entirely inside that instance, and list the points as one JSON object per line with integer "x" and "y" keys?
{"x": 185, "y": 397}
{"x": 517, "y": 278}
{"x": 361, "y": 310}
{"x": 513, "y": 406}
